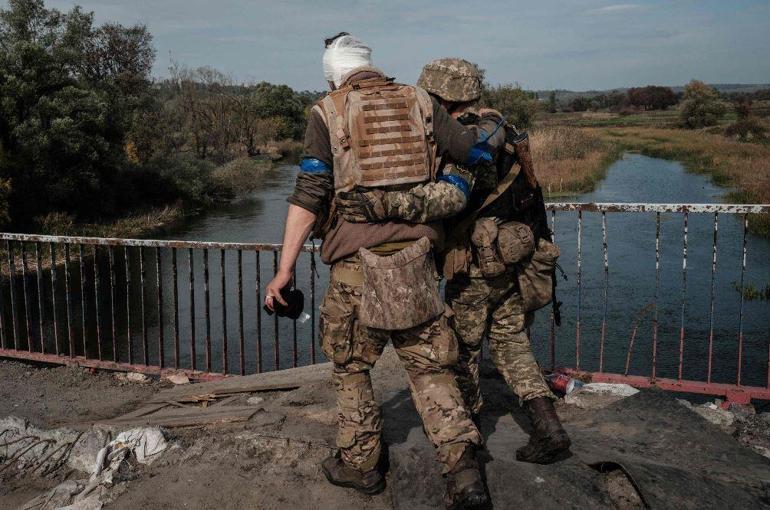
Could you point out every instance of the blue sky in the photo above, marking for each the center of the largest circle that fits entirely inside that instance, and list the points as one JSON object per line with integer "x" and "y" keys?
{"x": 576, "y": 44}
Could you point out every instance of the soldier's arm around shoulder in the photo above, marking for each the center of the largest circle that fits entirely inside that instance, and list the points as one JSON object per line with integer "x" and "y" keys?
{"x": 466, "y": 145}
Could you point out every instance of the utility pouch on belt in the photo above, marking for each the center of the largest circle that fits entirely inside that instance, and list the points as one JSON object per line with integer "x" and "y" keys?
{"x": 400, "y": 291}
{"x": 536, "y": 276}
{"x": 515, "y": 242}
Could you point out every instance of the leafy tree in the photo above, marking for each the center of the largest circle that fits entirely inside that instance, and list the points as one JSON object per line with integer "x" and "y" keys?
{"x": 652, "y": 97}
{"x": 552, "y": 105}
{"x": 516, "y": 105}
{"x": 580, "y": 104}
{"x": 701, "y": 106}
{"x": 68, "y": 91}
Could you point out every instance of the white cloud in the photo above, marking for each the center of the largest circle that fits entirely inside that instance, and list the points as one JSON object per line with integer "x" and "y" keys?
{"x": 615, "y": 8}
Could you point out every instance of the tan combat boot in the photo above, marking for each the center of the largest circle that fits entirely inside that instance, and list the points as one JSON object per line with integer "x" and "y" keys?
{"x": 548, "y": 439}
{"x": 338, "y": 473}
{"x": 465, "y": 488}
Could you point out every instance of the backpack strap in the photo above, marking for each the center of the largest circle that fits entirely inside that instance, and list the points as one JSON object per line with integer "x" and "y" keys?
{"x": 501, "y": 188}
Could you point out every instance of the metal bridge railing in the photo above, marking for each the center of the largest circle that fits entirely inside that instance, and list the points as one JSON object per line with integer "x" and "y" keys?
{"x": 156, "y": 306}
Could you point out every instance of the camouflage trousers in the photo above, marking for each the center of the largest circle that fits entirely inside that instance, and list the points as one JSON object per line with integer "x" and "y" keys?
{"x": 427, "y": 351}
{"x": 493, "y": 308}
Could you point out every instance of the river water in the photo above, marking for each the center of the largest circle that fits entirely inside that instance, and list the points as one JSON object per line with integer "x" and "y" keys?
{"x": 630, "y": 284}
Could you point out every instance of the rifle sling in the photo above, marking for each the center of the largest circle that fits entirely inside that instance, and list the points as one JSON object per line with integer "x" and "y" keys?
{"x": 501, "y": 188}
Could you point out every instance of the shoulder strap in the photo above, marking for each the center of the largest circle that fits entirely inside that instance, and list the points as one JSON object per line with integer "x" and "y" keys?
{"x": 334, "y": 104}
{"x": 501, "y": 188}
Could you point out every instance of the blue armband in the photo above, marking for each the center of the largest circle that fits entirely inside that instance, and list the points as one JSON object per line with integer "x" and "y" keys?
{"x": 479, "y": 153}
{"x": 458, "y": 182}
{"x": 314, "y": 166}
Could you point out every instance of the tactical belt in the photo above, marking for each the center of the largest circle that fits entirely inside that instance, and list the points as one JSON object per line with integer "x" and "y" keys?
{"x": 349, "y": 271}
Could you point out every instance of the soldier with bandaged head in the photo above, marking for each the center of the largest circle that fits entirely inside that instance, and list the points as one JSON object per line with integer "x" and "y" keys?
{"x": 371, "y": 134}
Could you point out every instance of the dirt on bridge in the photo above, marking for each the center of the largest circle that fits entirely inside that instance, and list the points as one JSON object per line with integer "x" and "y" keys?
{"x": 257, "y": 441}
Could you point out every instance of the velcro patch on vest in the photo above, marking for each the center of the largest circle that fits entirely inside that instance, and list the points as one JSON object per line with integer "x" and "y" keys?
{"x": 392, "y": 164}
{"x": 401, "y": 128}
{"x": 390, "y": 105}
{"x": 386, "y": 118}
{"x": 368, "y": 142}
{"x": 411, "y": 149}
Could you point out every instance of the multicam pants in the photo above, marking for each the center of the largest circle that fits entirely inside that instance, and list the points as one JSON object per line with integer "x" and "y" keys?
{"x": 493, "y": 307}
{"x": 427, "y": 351}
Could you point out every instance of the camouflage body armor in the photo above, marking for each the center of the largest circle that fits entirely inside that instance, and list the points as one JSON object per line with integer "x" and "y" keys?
{"x": 381, "y": 134}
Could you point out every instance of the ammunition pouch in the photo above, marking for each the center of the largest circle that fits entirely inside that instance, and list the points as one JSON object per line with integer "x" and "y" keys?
{"x": 536, "y": 276}
{"x": 515, "y": 242}
{"x": 400, "y": 291}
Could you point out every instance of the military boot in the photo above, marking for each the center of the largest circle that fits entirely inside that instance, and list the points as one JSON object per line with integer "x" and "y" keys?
{"x": 548, "y": 439}
{"x": 465, "y": 488}
{"x": 338, "y": 473}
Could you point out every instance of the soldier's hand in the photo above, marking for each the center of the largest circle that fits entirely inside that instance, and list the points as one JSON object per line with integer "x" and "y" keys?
{"x": 490, "y": 113}
{"x": 361, "y": 206}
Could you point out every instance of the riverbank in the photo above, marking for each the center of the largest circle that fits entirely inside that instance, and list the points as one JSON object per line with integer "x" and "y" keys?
{"x": 742, "y": 166}
{"x": 572, "y": 160}
{"x": 221, "y": 185}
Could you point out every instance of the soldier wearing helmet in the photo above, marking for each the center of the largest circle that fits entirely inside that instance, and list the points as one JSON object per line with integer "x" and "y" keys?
{"x": 491, "y": 243}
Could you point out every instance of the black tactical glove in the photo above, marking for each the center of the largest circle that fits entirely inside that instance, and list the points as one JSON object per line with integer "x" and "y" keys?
{"x": 361, "y": 206}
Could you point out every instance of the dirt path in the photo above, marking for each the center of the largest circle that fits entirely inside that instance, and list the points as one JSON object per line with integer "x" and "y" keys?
{"x": 56, "y": 396}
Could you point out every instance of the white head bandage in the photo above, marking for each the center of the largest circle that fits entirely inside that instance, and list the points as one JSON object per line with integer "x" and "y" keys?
{"x": 343, "y": 55}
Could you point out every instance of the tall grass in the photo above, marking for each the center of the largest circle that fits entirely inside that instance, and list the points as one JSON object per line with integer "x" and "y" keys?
{"x": 569, "y": 160}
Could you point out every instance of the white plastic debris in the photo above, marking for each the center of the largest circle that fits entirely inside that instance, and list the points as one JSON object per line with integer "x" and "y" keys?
{"x": 145, "y": 443}
{"x": 136, "y": 377}
{"x": 597, "y": 395}
{"x": 255, "y": 401}
{"x": 178, "y": 379}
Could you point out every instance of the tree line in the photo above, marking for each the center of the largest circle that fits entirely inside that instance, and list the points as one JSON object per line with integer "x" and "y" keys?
{"x": 84, "y": 129}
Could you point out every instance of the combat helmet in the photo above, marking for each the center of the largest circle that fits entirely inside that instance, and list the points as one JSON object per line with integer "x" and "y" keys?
{"x": 452, "y": 79}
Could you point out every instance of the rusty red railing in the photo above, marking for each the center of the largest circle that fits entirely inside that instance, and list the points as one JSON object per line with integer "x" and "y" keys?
{"x": 122, "y": 304}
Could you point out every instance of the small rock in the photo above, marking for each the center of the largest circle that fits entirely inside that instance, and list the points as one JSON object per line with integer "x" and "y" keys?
{"x": 742, "y": 412}
{"x": 136, "y": 377}
{"x": 254, "y": 401}
{"x": 178, "y": 379}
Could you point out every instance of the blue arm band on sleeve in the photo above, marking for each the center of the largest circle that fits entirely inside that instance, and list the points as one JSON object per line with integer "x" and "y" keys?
{"x": 479, "y": 153}
{"x": 458, "y": 182}
{"x": 314, "y": 166}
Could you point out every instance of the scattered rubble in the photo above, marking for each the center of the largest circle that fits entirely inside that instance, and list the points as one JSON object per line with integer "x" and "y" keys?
{"x": 31, "y": 452}
{"x": 598, "y": 395}
{"x": 712, "y": 412}
{"x": 178, "y": 379}
{"x": 255, "y": 401}
{"x": 133, "y": 377}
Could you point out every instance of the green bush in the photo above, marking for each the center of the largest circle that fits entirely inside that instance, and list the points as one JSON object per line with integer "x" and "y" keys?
{"x": 516, "y": 105}
{"x": 701, "y": 106}
{"x": 237, "y": 177}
